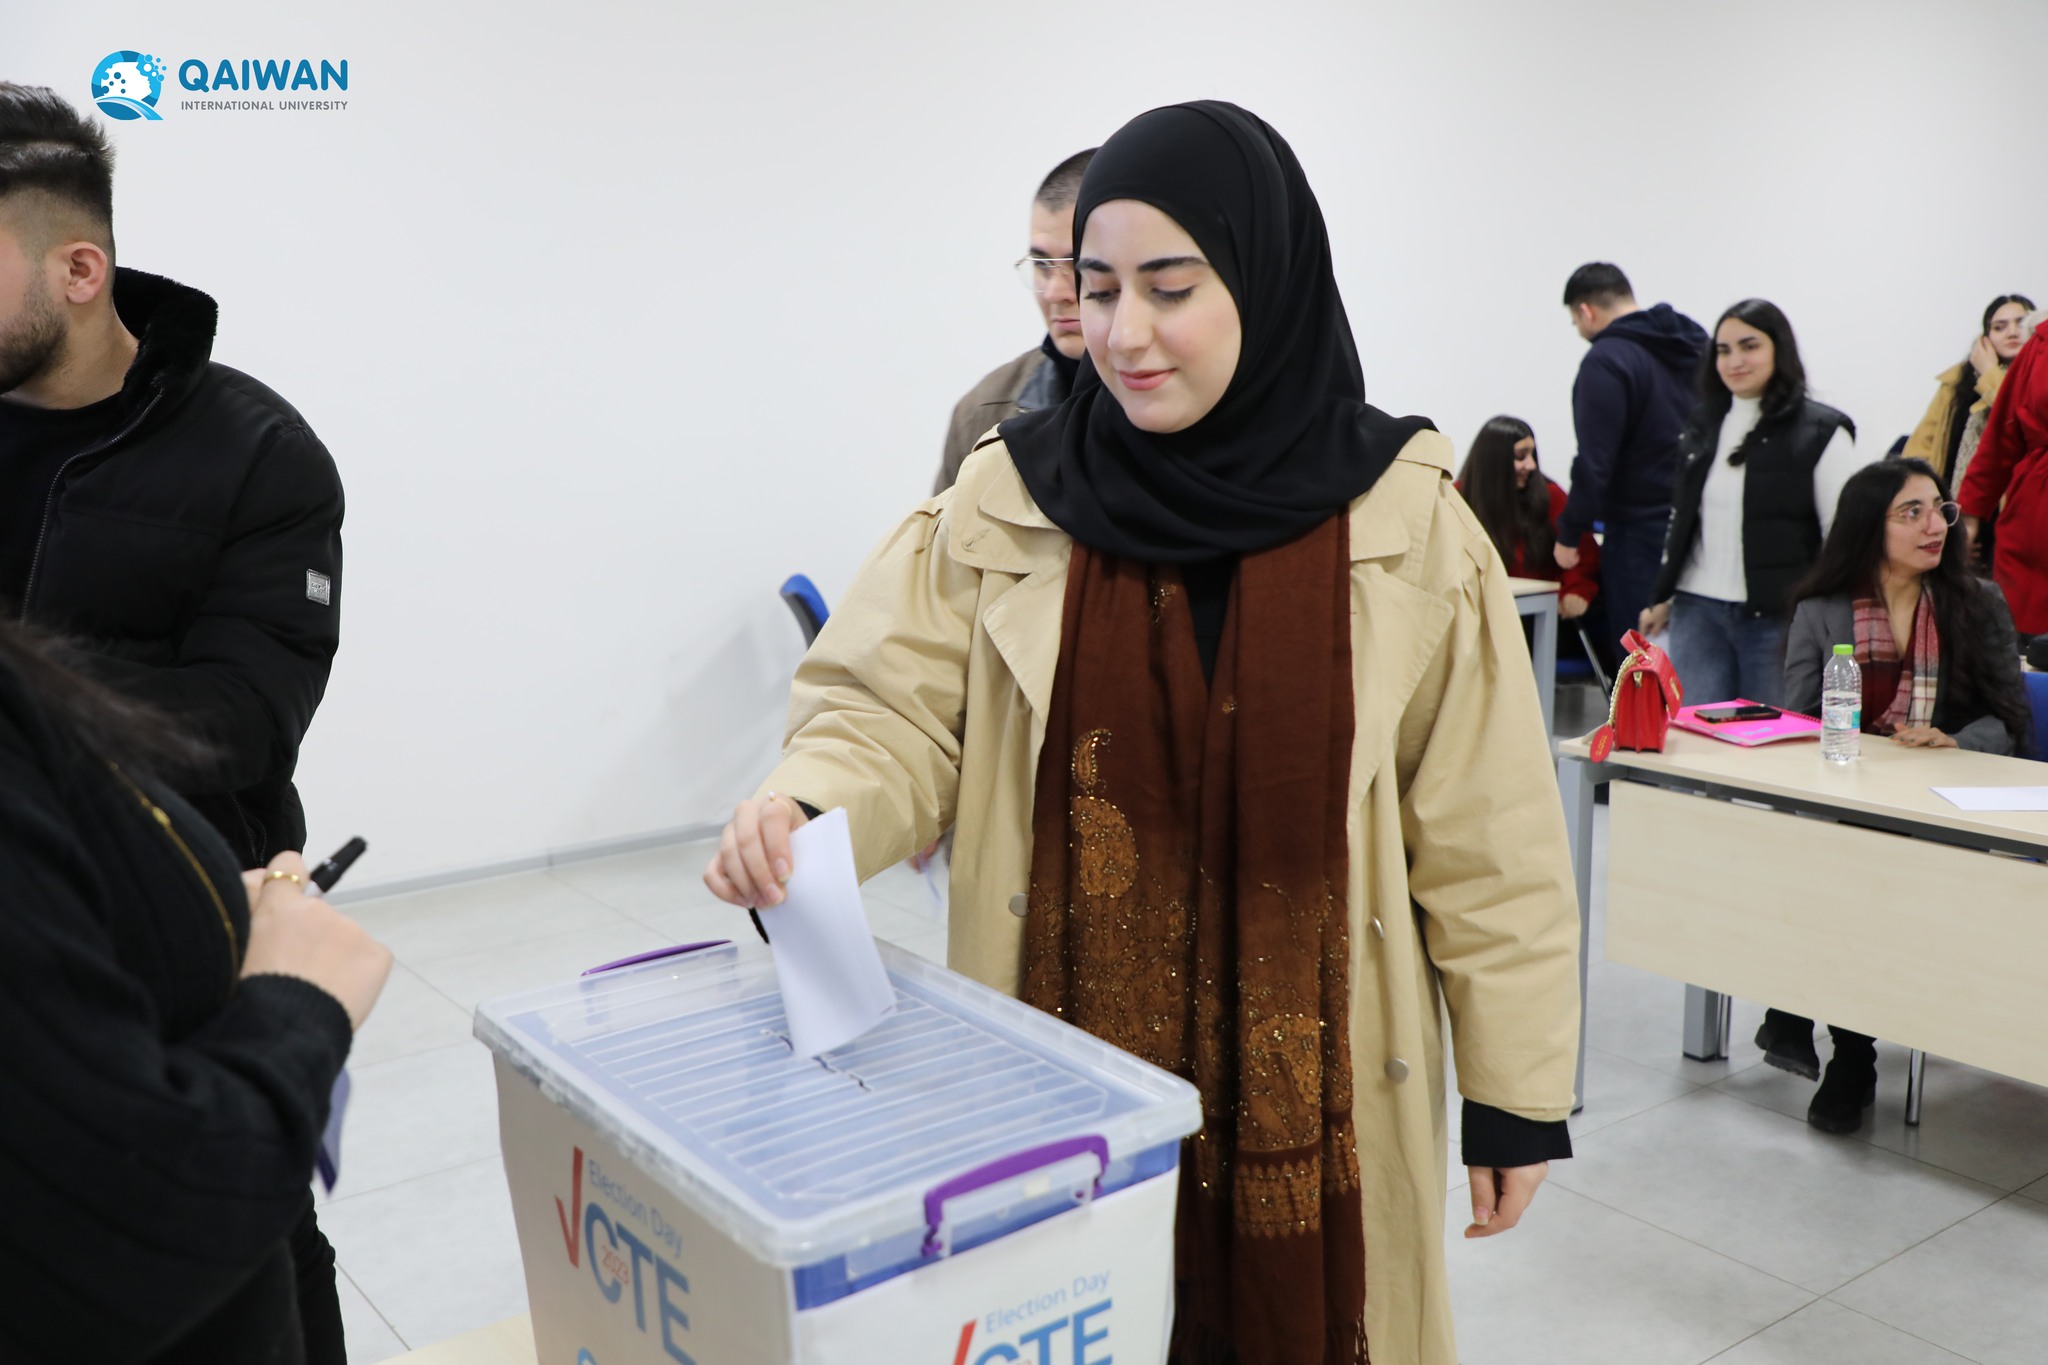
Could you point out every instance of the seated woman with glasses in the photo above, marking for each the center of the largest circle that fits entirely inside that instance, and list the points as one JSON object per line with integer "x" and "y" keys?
{"x": 1941, "y": 670}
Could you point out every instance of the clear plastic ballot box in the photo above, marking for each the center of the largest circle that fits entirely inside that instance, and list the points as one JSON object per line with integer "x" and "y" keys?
{"x": 972, "y": 1182}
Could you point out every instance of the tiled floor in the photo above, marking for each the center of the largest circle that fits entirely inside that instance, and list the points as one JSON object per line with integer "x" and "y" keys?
{"x": 1701, "y": 1220}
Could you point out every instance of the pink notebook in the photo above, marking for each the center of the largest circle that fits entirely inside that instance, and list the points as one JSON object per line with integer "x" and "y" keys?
{"x": 1748, "y": 733}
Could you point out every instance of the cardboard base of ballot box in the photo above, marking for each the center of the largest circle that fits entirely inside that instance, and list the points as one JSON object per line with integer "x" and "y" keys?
{"x": 621, "y": 1271}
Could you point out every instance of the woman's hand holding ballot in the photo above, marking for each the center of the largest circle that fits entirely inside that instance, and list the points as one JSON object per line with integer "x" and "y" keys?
{"x": 753, "y": 860}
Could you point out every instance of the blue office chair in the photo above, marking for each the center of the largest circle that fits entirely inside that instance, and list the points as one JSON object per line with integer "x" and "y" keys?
{"x": 807, "y": 604}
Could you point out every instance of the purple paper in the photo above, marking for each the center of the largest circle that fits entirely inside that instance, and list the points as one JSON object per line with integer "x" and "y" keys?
{"x": 327, "y": 1161}
{"x": 658, "y": 954}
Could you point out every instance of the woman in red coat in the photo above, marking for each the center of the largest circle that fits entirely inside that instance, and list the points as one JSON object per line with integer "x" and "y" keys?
{"x": 1519, "y": 507}
{"x": 2011, "y": 466}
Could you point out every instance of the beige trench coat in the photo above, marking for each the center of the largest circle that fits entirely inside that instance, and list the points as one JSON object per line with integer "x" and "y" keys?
{"x": 922, "y": 704}
{"x": 1929, "y": 440}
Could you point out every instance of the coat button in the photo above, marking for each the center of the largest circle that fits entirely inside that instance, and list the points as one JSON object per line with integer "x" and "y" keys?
{"x": 1378, "y": 930}
{"x": 1397, "y": 1070}
{"x": 1020, "y": 905}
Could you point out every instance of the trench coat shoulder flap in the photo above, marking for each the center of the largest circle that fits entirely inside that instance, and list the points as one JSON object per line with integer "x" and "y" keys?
{"x": 1403, "y": 575}
{"x": 999, "y": 532}
{"x": 995, "y": 526}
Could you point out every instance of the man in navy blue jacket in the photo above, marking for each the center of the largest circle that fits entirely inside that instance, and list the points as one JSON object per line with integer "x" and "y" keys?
{"x": 1630, "y": 403}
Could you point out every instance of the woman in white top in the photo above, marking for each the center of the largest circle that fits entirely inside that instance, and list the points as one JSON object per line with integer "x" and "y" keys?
{"x": 1762, "y": 467}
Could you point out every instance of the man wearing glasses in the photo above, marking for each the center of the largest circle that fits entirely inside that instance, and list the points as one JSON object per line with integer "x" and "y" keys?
{"x": 1043, "y": 375}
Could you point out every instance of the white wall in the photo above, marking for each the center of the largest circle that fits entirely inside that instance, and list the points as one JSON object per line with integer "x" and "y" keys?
{"x": 616, "y": 313}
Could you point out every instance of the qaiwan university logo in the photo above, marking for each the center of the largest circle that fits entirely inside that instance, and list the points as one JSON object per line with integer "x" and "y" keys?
{"x": 127, "y": 85}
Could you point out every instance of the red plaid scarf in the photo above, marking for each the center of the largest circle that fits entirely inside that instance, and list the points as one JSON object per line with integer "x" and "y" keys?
{"x": 1913, "y": 702}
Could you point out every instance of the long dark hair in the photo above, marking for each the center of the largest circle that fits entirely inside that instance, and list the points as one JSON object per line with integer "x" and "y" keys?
{"x": 1785, "y": 392}
{"x": 1852, "y": 565}
{"x": 91, "y": 716}
{"x": 1965, "y": 396}
{"x": 1512, "y": 516}
{"x": 1991, "y": 308}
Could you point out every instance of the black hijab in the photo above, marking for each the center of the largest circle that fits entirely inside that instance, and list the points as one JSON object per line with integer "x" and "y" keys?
{"x": 1292, "y": 440}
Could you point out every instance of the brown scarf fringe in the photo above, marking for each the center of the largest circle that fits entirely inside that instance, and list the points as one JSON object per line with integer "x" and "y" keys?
{"x": 1195, "y": 1345}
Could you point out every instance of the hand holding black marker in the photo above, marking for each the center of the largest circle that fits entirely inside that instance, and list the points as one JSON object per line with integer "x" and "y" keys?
{"x": 294, "y": 932}
{"x": 338, "y": 862}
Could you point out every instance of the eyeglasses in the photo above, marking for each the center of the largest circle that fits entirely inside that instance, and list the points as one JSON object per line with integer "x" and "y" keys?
{"x": 1041, "y": 274}
{"x": 1914, "y": 513}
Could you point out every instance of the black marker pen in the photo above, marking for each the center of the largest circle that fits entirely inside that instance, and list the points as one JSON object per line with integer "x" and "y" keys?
{"x": 329, "y": 872}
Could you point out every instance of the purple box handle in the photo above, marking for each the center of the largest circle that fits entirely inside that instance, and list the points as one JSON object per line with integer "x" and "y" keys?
{"x": 657, "y": 954}
{"x": 1005, "y": 1168}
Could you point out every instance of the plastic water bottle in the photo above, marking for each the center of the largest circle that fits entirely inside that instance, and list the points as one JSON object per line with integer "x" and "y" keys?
{"x": 1841, "y": 707}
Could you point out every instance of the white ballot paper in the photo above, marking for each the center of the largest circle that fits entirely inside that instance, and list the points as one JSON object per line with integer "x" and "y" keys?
{"x": 834, "y": 988}
{"x": 1995, "y": 798}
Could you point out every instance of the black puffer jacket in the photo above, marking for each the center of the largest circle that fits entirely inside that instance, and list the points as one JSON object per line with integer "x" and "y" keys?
{"x": 197, "y": 555}
{"x": 1781, "y": 535}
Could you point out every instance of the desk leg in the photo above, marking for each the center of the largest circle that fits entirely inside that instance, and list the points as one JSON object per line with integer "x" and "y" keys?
{"x": 1916, "y": 1086}
{"x": 1575, "y": 783}
{"x": 1546, "y": 664}
{"x": 1706, "y": 1024}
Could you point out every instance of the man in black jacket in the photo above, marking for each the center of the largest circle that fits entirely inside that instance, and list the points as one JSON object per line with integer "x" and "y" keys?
{"x": 1634, "y": 392}
{"x": 171, "y": 515}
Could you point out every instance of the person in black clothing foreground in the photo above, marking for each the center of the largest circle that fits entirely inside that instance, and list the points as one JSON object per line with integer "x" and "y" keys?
{"x": 174, "y": 516}
{"x": 170, "y": 1031}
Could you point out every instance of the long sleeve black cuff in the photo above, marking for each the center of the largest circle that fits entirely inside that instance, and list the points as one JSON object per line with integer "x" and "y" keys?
{"x": 1494, "y": 1137}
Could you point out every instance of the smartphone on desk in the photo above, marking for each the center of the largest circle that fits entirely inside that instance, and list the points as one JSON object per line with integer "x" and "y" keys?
{"x": 1722, "y": 715}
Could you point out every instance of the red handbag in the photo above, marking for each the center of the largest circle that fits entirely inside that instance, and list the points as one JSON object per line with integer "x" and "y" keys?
{"x": 1647, "y": 694}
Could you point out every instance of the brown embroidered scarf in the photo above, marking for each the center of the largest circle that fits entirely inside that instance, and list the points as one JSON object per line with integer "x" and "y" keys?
{"x": 1188, "y": 904}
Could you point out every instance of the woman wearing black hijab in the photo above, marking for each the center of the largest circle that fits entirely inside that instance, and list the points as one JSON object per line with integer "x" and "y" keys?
{"x": 1224, "y": 692}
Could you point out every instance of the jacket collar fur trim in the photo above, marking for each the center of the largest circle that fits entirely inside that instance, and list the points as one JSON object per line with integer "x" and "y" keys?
{"x": 175, "y": 325}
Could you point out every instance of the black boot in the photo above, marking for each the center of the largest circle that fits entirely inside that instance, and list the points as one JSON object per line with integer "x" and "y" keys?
{"x": 1850, "y": 1086}
{"x": 1787, "y": 1041}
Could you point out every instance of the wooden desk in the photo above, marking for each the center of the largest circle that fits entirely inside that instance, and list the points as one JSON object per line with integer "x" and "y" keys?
{"x": 505, "y": 1343}
{"x": 1848, "y": 893}
{"x": 1538, "y": 598}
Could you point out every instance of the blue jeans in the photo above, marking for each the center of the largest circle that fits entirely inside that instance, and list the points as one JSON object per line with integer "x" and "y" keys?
{"x": 1630, "y": 554}
{"x": 1721, "y": 652}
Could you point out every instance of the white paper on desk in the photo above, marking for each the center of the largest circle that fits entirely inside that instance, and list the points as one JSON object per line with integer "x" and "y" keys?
{"x": 1995, "y": 798}
{"x": 834, "y": 987}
